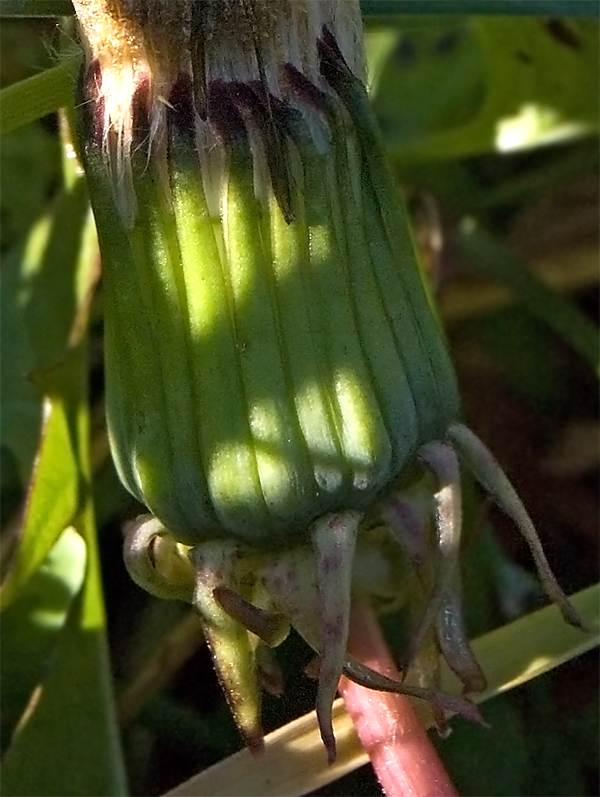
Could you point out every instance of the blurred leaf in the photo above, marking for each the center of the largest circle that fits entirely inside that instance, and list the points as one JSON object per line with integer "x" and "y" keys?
{"x": 29, "y": 160}
{"x": 472, "y": 752}
{"x": 379, "y": 46}
{"x": 556, "y": 766}
{"x": 521, "y": 345}
{"x": 489, "y": 84}
{"x": 54, "y": 491}
{"x": 70, "y": 744}
{"x": 434, "y": 80}
{"x": 58, "y": 270}
{"x": 584, "y": 729}
{"x": 37, "y": 96}
{"x": 558, "y": 313}
{"x": 31, "y": 626}
{"x": 71, "y": 731}
{"x": 21, "y": 403}
{"x": 23, "y": 40}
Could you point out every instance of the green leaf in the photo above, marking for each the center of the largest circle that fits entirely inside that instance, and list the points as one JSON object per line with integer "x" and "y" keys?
{"x": 51, "y": 295}
{"x": 37, "y": 96}
{"x": 31, "y": 626}
{"x": 505, "y": 84}
{"x": 54, "y": 491}
{"x": 21, "y": 403}
{"x": 439, "y": 72}
{"x": 59, "y": 269}
{"x": 29, "y": 159}
{"x": 70, "y": 744}
{"x": 532, "y": 645}
{"x": 492, "y": 259}
{"x": 71, "y": 733}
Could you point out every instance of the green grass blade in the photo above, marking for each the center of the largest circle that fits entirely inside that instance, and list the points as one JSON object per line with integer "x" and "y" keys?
{"x": 70, "y": 743}
{"x": 70, "y": 730}
{"x": 53, "y": 494}
{"x": 533, "y": 645}
{"x": 37, "y": 96}
{"x": 31, "y": 628}
{"x": 58, "y": 272}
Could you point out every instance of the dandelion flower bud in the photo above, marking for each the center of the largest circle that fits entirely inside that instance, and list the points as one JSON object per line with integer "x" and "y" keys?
{"x": 273, "y": 362}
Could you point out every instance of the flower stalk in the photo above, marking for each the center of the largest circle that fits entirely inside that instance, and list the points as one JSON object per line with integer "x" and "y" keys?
{"x": 402, "y": 755}
{"x": 279, "y": 393}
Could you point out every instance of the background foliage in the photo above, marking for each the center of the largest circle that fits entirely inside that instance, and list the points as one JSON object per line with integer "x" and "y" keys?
{"x": 492, "y": 128}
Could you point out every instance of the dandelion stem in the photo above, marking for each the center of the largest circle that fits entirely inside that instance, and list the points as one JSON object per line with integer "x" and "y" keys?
{"x": 404, "y": 759}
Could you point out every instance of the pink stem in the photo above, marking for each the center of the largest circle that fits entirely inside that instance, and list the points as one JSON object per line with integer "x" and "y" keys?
{"x": 403, "y": 758}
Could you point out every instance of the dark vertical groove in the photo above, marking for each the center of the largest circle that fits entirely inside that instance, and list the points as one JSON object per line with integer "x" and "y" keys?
{"x": 198, "y": 55}
{"x": 182, "y": 112}
{"x": 225, "y": 118}
{"x": 255, "y": 101}
{"x": 92, "y": 104}
{"x": 140, "y": 113}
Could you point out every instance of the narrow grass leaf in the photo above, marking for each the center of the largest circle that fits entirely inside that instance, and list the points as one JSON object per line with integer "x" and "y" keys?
{"x": 70, "y": 745}
{"x": 54, "y": 489}
{"x": 37, "y": 96}
{"x": 31, "y": 627}
{"x": 71, "y": 731}
{"x": 58, "y": 270}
